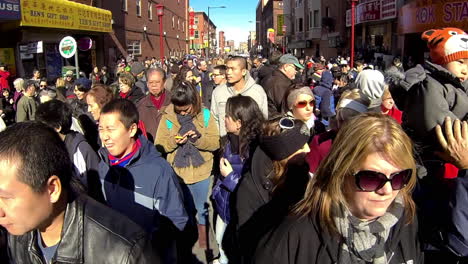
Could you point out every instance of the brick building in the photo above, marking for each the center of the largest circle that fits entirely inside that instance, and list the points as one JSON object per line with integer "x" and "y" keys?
{"x": 222, "y": 42}
{"x": 270, "y": 17}
{"x": 202, "y": 27}
{"x": 136, "y": 28}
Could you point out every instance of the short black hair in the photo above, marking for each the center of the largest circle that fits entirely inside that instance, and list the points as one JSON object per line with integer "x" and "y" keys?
{"x": 56, "y": 114}
{"x": 39, "y": 154}
{"x": 128, "y": 112}
{"x": 222, "y": 69}
{"x": 30, "y": 83}
{"x": 184, "y": 93}
{"x": 242, "y": 61}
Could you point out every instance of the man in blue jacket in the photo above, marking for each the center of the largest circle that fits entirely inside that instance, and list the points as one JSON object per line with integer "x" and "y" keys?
{"x": 136, "y": 180}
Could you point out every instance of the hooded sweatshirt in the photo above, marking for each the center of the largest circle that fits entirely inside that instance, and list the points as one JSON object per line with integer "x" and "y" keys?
{"x": 324, "y": 95}
{"x": 371, "y": 84}
{"x": 224, "y": 91}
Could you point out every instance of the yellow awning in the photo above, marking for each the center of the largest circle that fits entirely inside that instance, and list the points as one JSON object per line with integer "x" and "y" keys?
{"x": 65, "y": 14}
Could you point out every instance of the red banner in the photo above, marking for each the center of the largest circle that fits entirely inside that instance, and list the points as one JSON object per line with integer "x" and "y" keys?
{"x": 191, "y": 23}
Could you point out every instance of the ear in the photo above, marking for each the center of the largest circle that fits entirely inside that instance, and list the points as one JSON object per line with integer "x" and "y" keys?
{"x": 54, "y": 188}
{"x": 244, "y": 72}
{"x": 133, "y": 129}
{"x": 428, "y": 35}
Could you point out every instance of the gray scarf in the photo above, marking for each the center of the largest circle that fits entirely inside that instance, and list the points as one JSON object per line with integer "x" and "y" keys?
{"x": 187, "y": 154}
{"x": 364, "y": 241}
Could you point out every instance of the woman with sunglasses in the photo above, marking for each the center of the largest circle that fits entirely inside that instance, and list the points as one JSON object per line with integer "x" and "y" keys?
{"x": 188, "y": 135}
{"x": 300, "y": 104}
{"x": 264, "y": 191}
{"x": 358, "y": 207}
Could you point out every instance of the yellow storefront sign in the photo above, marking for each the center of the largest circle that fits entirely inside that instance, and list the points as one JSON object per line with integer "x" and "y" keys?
{"x": 65, "y": 14}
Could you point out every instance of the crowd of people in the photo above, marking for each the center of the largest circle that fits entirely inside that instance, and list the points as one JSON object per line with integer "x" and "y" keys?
{"x": 285, "y": 159}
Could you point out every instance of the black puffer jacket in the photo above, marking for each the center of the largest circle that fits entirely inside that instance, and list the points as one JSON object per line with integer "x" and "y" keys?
{"x": 92, "y": 233}
{"x": 427, "y": 95}
{"x": 303, "y": 241}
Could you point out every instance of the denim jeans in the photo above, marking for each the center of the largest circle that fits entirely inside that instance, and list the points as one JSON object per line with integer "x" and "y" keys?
{"x": 199, "y": 191}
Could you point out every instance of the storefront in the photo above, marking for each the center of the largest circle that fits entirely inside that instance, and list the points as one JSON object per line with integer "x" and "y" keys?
{"x": 375, "y": 26}
{"x": 45, "y": 22}
{"x": 421, "y": 15}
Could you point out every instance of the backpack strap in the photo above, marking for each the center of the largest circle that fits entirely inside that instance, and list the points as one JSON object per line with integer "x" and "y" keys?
{"x": 206, "y": 116}
{"x": 169, "y": 124}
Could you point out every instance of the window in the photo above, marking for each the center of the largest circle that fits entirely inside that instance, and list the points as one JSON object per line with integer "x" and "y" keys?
{"x": 134, "y": 47}
{"x": 300, "y": 23}
{"x": 316, "y": 19}
{"x": 178, "y": 23}
{"x": 123, "y": 5}
{"x": 196, "y": 34}
{"x": 173, "y": 22}
{"x": 327, "y": 13}
{"x": 310, "y": 19}
{"x": 150, "y": 10}
{"x": 183, "y": 26}
{"x": 196, "y": 20}
{"x": 138, "y": 8}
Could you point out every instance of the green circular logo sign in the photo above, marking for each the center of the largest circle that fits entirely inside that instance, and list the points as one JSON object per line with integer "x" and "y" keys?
{"x": 67, "y": 47}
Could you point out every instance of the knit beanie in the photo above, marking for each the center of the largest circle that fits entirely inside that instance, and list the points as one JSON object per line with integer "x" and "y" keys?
{"x": 371, "y": 85}
{"x": 446, "y": 44}
{"x": 286, "y": 143}
{"x": 293, "y": 94}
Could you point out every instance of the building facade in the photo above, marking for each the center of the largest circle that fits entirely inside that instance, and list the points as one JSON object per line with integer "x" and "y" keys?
{"x": 36, "y": 27}
{"x": 269, "y": 16}
{"x": 136, "y": 29}
{"x": 203, "y": 27}
{"x": 222, "y": 42}
{"x": 252, "y": 43}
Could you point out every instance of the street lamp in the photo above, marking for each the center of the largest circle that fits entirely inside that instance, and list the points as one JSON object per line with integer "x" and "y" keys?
{"x": 160, "y": 13}
{"x": 209, "y": 31}
{"x": 353, "y": 20}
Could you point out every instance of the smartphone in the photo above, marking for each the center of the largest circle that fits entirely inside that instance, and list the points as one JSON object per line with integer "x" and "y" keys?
{"x": 179, "y": 137}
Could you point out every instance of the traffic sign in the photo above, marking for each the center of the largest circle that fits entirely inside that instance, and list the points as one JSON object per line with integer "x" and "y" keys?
{"x": 67, "y": 47}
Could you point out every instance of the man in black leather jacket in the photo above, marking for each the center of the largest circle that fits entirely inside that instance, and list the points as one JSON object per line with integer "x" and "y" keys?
{"x": 47, "y": 218}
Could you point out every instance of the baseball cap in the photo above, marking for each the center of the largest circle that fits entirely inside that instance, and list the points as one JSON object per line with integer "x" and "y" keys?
{"x": 137, "y": 68}
{"x": 290, "y": 59}
{"x": 69, "y": 73}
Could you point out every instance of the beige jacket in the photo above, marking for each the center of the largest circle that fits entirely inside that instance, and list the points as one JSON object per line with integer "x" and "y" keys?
{"x": 206, "y": 144}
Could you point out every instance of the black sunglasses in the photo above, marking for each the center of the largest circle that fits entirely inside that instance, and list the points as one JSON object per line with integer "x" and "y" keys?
{"x": 370, "y": 181}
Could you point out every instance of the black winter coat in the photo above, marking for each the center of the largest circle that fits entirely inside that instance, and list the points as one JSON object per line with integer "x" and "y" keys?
{"x": 276, "y": 87}
{"x": 303, "y": 241}
{"x": 92, "y": 233}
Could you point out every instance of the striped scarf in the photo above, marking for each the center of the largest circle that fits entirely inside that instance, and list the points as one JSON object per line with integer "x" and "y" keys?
{"x": 364, "y": 241}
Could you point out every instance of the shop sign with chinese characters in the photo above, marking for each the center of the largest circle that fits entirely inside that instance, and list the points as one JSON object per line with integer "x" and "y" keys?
{"x": 65, "y": 14}
{"x": 373, "y": 10}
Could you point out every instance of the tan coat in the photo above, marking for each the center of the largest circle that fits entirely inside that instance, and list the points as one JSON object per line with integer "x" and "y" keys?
{"x": 206, "y": 144}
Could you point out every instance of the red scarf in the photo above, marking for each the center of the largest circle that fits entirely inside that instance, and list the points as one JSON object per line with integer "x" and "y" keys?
{"x": 158, "y": 102}
{"x": 122, "y": 162}
{"x": 123, "y": 95}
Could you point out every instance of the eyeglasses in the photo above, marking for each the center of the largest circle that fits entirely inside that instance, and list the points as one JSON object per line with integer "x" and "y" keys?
{"x": 370, "y": 181}
{"x": 303, "y": 104}
{"x": 42, "y": 85}
{"x": 286, "y": 123}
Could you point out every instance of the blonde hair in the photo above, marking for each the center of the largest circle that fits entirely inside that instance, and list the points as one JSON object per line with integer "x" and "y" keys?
{"x": 60, "y": 82}
{"x": 343, "y": 113}
{"x": 386, "y": 94}
{"x": 368, "y": 133}
{"x": 19, "y": 82}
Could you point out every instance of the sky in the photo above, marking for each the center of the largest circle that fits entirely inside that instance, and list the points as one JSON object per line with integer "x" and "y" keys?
{"x": 233, "y": 20}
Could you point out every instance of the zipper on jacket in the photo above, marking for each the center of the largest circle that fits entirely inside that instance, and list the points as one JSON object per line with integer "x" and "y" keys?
{"x": 391, "y": 256}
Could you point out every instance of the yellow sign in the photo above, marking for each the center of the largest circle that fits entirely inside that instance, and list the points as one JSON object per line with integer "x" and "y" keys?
{"x": 64, "y": 14}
